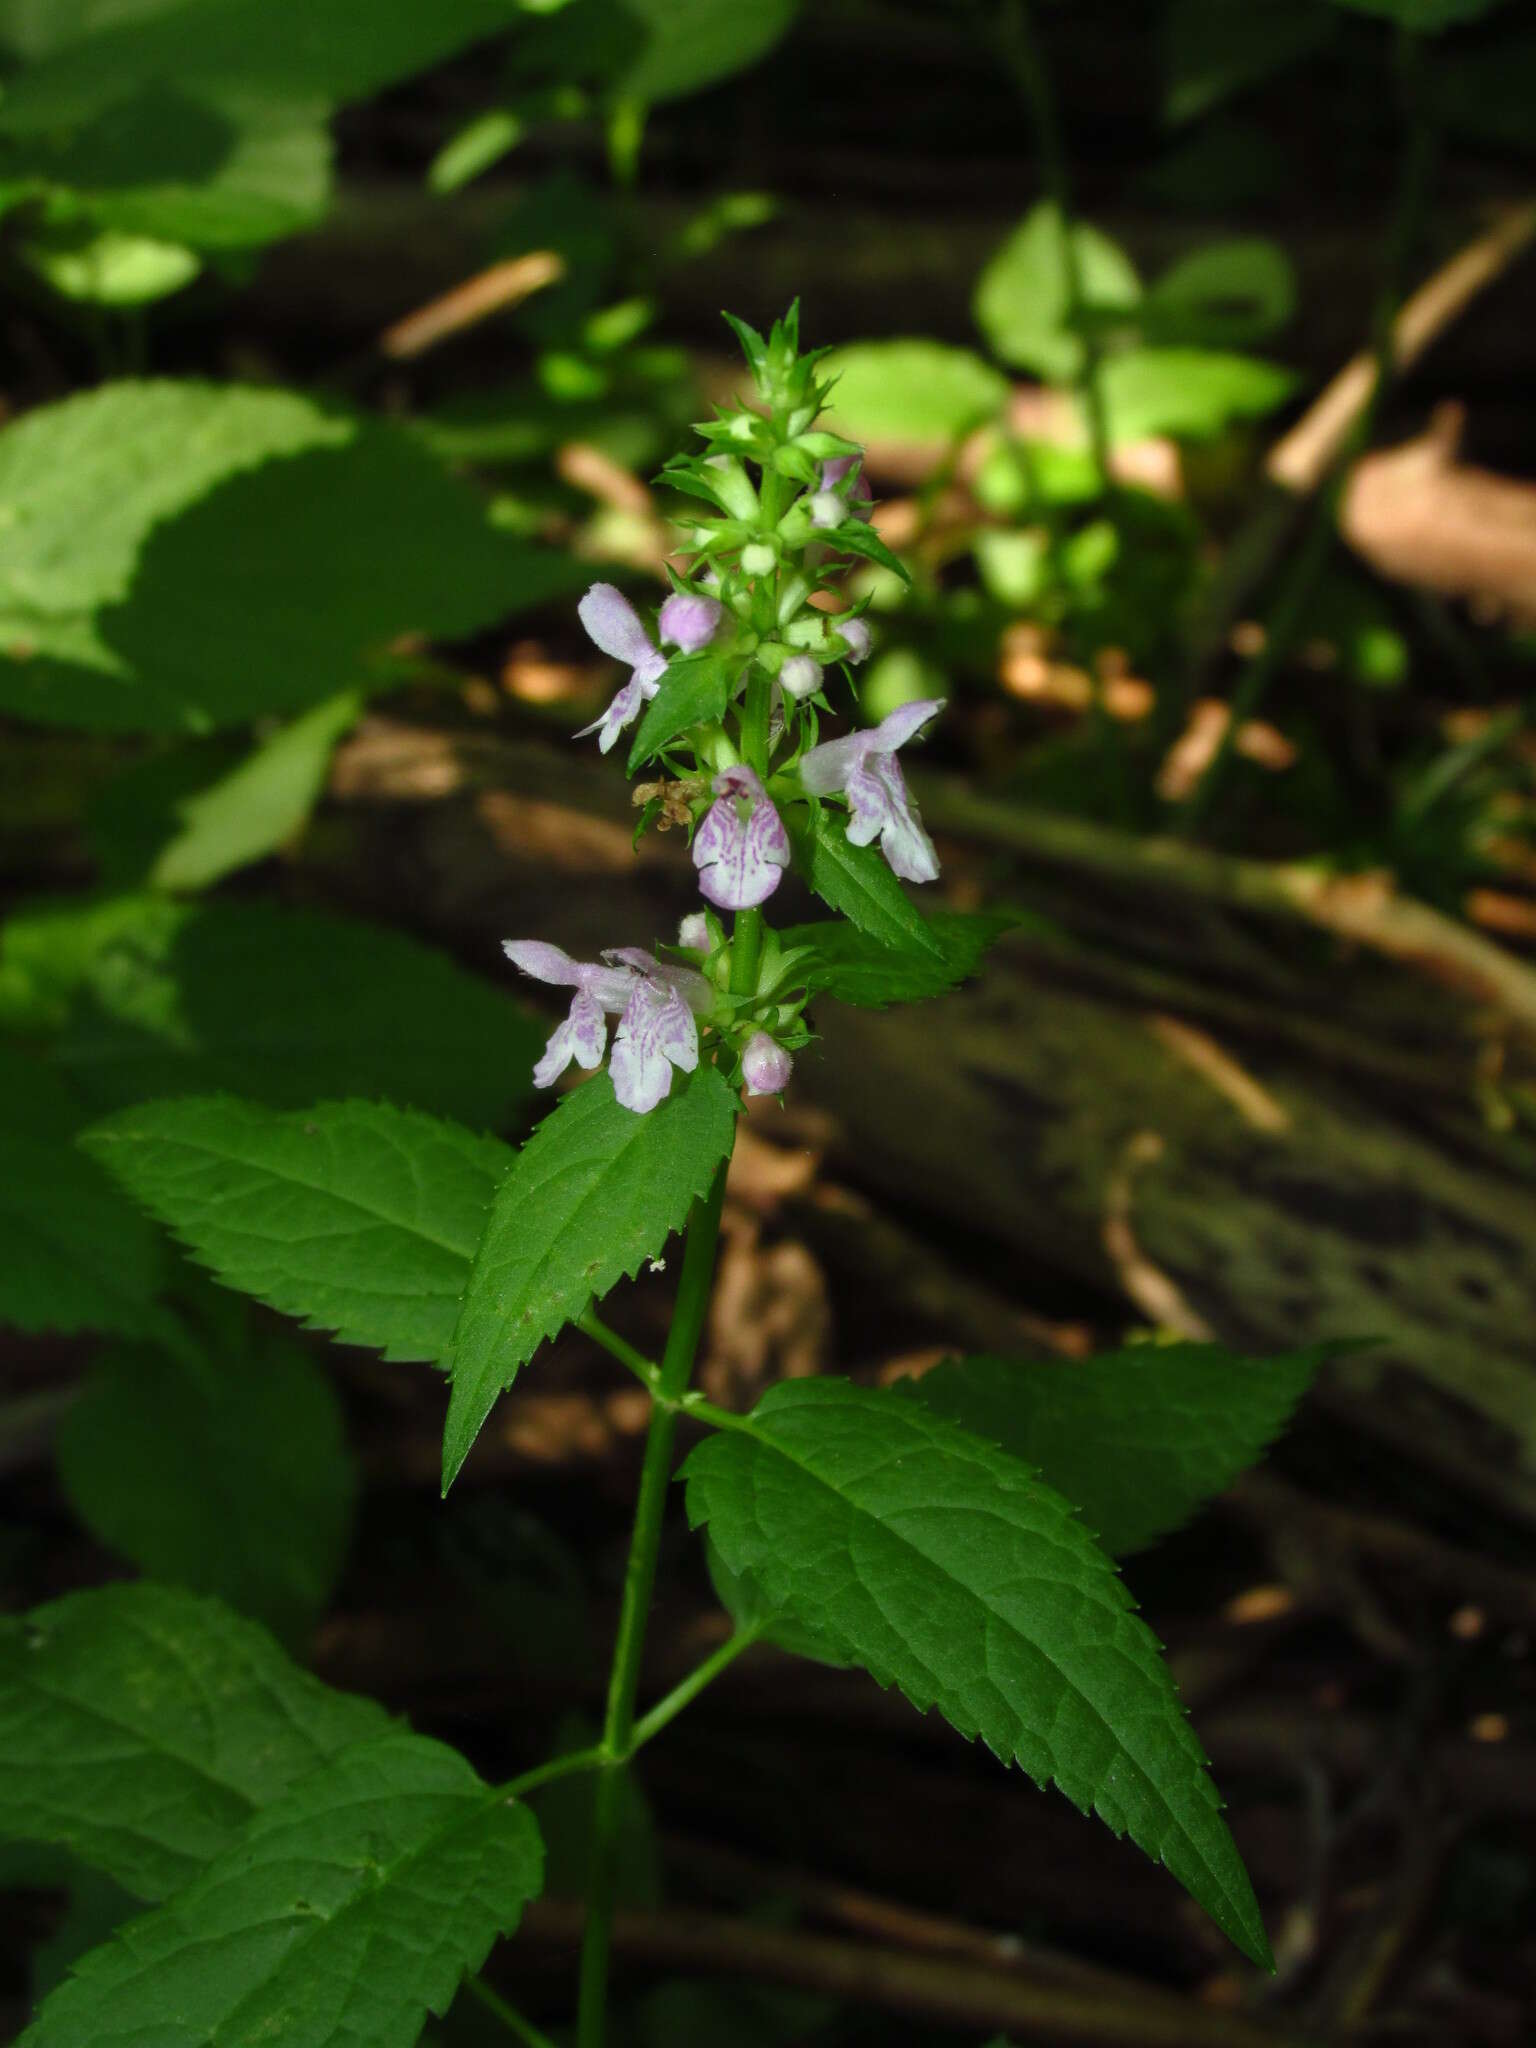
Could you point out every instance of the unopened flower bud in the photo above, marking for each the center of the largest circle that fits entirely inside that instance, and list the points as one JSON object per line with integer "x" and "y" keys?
{"x": 800, "y": 676}
{"x": 856, "y": 638}
{"x": 689, "y": 622}
{"x": 827, "y": 509}
{"x": 693, "y": 932}
{"x": 765, "y": 1067}
{"x": 758, "y": 559}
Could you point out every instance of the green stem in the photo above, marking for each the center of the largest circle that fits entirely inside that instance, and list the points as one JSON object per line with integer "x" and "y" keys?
{"x": 558, "y": 1767}
{"x": 526, "y": 2032}
{"x": 634, "y": 1609}
{"x": 1022, "y": 50}
{"x": 644, "y": 1369}
{"x": 688, "y": 1689}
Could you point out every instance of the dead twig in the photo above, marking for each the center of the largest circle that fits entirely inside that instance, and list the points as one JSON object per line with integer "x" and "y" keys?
{"x": 945, "y": 1990}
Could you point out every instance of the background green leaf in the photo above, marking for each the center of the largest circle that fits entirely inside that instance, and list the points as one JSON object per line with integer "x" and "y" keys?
{"x": 692, "y": 43}
{"x": 1226, "y": 295}
{"x": 1215, "y": 48}
{"x": 1187, "y": 391}
{"x": 141, "y": 1726}
{"x": 139, "y": 522}
{"x": 1137, "y": 1440}
{"x": 359, "y": 1218}
{"x": 911, "y": 390}
{"x": 1020, "y": 303}
{"x": 947, "y": 1568}
{"x": 223, "y": 1467}
{"x": 77, "y": 1256}
{"x": 595, "y": 1190}
{"x": 344, "y": 1913}
{"x": 145, "y": 997}
{"x": 259, "y": 804}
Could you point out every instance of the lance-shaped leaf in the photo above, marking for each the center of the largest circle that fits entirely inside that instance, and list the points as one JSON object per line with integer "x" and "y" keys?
{"x": 855, "y": 881}
{"x": 142, "y": 1726}
{"x": 1137, "y": 1439}
{"x": 595, "y": 1190}
{"x": 949, "y": 1569}
{"x": 850, "y": 965}
{"x": 853, "y": 538}
{"x": 359, "y": 1218}
{"x": 694, "y": 691}
{"x": 342, "y": 1915}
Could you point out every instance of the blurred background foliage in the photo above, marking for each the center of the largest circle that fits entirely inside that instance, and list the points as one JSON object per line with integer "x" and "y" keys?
{"x": 1190, "y": 341}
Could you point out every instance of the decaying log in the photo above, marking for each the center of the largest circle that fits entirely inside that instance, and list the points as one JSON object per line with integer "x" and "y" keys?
{"x": 1091, "y": 1107}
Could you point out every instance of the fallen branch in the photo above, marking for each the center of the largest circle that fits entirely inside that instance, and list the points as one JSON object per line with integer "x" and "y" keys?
{"x": 946, "y": 1991}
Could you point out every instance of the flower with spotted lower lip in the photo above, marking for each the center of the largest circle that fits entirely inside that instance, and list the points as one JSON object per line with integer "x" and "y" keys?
{"x": 741, "y": 850}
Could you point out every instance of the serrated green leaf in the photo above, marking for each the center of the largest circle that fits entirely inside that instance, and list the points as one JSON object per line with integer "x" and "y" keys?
{"x": 595, "y": 1190}
{"x": 855, "y": 881}
{"x": 949, "y": 1569}
{"x": 694, "y": 691}
{"x": 222, "y": 1468}
{"x": 344, "y": 1913}
{"x": 358, "y": 1218}
{"x": 911, "y": 390}
{"x": 77, "y": 1256}
{"x": 1020, "y": 302}
{"x": 853, "y": 538}
{"x": 141, "y": 1726}
{"x": 1137, "y": 1439}
{"x": 147, "y": 997}
{"x": 251, "y": 811}
{"x": 853, "y": 967}
{"x": 138, "y": 520}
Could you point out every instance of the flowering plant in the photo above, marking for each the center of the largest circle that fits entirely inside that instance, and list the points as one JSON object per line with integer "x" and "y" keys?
{"x": 310, "y": 1870}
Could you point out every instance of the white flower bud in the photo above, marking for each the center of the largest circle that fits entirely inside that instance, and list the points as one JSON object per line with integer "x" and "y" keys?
{"x": 693, "y": 932}
{"x": 800, "y": 677}
{"x": 758, "y": 559}
{"x": 765, "y": 1067}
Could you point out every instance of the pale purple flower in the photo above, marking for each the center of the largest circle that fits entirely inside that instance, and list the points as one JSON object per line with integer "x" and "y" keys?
{"x": 689, "y": 622}
{"x": 856, "y": 634}
{"x": 657, "y": 1031}
{"x": 765, "y": 1065}
{"x": 583, "y": 1036}
{"x": 800, "y": 676}
{"x": 613, "y": 624}
{"x": 741, "y": 849}
{"x": 864, "y": 767}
